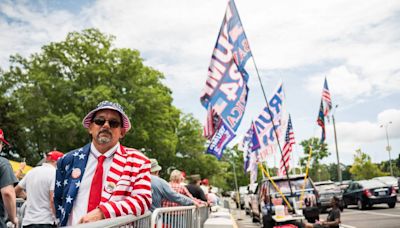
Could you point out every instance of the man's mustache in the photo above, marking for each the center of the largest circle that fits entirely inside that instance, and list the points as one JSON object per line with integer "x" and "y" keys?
{"x": 105, "y": 131}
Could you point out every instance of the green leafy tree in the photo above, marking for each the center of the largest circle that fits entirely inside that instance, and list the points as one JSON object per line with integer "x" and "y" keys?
{"x": 47, "y": 94}
{"x": 319, "y": 151}
{"x": 363, "y": 168}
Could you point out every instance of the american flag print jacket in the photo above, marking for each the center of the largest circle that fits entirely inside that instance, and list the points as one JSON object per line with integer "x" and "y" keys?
{"x": 127, "y": 189}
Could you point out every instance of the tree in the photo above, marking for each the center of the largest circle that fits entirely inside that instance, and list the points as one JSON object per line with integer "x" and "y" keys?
{"x": 363, "y": 168}
{"x": 319, "y": 151}
{"x": 47, "y": 94}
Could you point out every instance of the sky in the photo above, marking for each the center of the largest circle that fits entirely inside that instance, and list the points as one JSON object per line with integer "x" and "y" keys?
{"x": 354, "y": 44}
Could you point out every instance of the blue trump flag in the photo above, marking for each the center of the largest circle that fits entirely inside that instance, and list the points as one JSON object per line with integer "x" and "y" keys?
{"x": 225, "y": 93}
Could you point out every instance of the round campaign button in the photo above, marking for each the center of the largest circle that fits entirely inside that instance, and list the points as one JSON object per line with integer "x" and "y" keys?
{"x": 110, "y": 186}
{"x": 76, "y": 173}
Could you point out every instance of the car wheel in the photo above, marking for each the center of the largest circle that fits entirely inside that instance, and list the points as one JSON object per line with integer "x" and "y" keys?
{"x": 392, "y": 205}
{"x": 360, "y": 204}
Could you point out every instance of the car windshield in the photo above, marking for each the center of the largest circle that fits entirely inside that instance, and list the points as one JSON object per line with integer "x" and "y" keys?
{"x": 327, "y": 187}
{"x": 372, "y": 184}
{"x": 297, "y": 185}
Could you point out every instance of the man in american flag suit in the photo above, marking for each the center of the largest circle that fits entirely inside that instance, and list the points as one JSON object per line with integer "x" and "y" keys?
{"x": 102, "y": 179}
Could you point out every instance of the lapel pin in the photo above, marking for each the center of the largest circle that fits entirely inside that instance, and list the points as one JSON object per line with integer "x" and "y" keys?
{"x": 110, "y": 186}
{"x": 76, "y": 173}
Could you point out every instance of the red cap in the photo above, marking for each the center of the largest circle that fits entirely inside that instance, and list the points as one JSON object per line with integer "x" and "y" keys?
{"x": 54, "y": 155}
{"x": 205, "y": 181}
{"x": 2, "y": 137}
{"x": 183, "y": 174}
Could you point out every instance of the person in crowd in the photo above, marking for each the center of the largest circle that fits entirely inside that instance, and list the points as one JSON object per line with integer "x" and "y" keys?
{"x": 333, "y": 219}
{"x": 37, "y": 187}
{"x": 204, "y": 185}
{"x": 194, "y": 188}
{"x": 183, "y": 181}
{"x": 212, "y": 198}
{"x": 161, "y": 190}
{"x": 103, "y": 179}
{"x": 7, "y": 197}
{"x": 175, "y": 181}
{"x": 20, "y": 172}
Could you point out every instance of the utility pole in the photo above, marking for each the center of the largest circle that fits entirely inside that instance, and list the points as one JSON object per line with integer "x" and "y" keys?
{"x": 339, "y": 170}
{"x": 237, "y": 190}
{"x": 388, "y": 148}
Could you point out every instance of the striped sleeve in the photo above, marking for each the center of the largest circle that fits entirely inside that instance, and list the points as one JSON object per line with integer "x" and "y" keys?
{"x": 138, "y": 201}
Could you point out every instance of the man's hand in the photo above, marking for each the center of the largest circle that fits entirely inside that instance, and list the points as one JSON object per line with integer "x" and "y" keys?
{"x": 92, "y": 216}
{"x": 196, "y": 204}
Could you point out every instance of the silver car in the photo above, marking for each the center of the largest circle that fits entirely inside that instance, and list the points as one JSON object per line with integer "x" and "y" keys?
{"x": 326, "y": 190}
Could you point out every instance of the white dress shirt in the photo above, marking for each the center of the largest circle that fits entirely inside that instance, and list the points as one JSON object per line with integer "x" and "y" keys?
{"x": 80, "y": 206}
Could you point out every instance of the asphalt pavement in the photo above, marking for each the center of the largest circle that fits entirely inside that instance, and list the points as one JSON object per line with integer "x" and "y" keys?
{"x": 380, "y": 216}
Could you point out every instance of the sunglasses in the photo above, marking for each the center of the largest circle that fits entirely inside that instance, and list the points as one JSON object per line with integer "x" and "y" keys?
{"x": 112, "y": 123}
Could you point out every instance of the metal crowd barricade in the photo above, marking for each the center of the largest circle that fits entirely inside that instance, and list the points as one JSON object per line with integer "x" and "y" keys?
{"x": 203, "y": 215}
{"x": 127, "y": 221}
{"x": 179, "y": 217}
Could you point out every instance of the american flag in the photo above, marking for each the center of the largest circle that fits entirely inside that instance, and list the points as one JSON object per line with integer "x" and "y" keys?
{"x": 287, "y": 148}
{"x": 326, "y": 98}
{"x": 211, "y": 124}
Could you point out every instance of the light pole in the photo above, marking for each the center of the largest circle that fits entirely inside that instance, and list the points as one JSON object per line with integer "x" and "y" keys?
{"x": 388, "y": 148}
{"x": 237, "y": 189}
{"x": 339, "y": 170}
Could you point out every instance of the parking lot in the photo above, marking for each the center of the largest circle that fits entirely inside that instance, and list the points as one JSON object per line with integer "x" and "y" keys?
{"x": 379, "y": 216}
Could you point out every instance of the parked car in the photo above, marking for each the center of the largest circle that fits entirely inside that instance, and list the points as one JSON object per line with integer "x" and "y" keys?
{"x": 389, "y": 181}
{"x": 366, "y": 193}
{"x": 247, "y": 198}
{"x": 264, "y": 200}
{"x": 240, "y": 200}
{"x": 343, "y": 185}
{"x": 326, "y": 190}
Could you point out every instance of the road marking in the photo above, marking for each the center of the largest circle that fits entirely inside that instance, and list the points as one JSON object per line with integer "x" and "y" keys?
{"x": 347, "y": 226}
{"x": 376, "y": 213}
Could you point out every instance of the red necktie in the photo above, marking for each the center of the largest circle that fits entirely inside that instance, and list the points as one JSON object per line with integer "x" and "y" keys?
{"x": 97, "y": 184}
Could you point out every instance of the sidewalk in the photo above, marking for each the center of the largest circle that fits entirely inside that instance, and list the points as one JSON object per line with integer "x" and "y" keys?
{"x": 242, "y": 220}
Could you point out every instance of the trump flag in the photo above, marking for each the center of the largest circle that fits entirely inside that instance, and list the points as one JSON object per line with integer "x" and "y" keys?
{"x": 225, "y": 92}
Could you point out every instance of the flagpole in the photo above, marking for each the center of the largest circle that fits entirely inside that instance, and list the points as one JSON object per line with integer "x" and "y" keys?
{"x": 339, "y": 171}
{"x": 266, "y": 100}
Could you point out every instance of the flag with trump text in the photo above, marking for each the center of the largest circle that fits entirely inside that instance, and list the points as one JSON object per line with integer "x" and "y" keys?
{"x": 250, "y": 145}
{"x": 268, "y": 125}
{"x": 225, "y": 92}
{"x": 287, "y": 149}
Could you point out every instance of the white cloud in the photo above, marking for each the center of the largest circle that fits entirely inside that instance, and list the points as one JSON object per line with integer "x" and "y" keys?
{"x": 342, "y": 83}
{"x": 367, "y": 131}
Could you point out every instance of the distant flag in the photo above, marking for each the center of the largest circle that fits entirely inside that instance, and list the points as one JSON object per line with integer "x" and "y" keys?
{"x": 326, "y": 99}
{"x": 287, "y": 148}
{"x": 321, "y": 121}
{"x": 225, "y": 93}
{"x": 253, "y": 167}
{"x": 250, "y": 145}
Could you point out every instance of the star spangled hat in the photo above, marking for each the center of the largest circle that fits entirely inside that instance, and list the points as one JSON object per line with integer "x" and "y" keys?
{"x": 2, "y": 137}
{"x": 126, "y": 124}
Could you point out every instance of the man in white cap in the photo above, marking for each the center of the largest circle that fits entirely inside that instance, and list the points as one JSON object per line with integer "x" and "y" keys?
{"x": 37, "y": 187}
{"x": 7, "y": 196}
{"x": 103, "y": 179}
